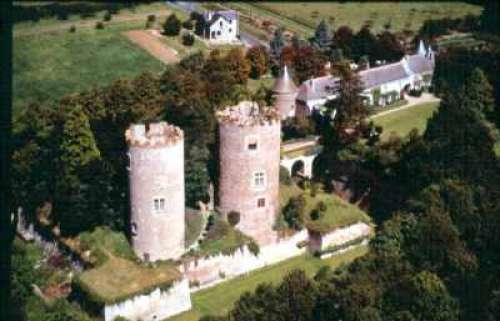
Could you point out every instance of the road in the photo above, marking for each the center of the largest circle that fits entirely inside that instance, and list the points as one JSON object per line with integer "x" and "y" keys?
{"x": 247, "y": 39}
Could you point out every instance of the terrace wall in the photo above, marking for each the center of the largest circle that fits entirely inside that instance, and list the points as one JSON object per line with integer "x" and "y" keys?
{"x": 155, "y": 306}
{"x": 215, "y": 269}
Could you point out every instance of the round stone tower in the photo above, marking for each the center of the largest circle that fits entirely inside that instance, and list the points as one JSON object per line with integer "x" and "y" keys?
{"x": 285, "y": 93}
{"x": 249, "y": 167}
{"x": 156, "y": 176}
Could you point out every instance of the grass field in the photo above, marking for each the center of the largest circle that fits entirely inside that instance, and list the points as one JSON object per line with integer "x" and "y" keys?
{"x": 400, "y": 15}
{"x": 403, "y": 121}
{"x": 47, "y": 66}
{"x": 220, "y": 299}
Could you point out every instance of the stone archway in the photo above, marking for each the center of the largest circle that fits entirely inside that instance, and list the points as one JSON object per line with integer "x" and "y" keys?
{"x": 298, "y": 168}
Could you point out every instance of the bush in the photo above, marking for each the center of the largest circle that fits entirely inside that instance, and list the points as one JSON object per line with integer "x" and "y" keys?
{"x": 315, "y": 214}
{"x": 321, "y": 206}
{"x": 285, "y": 176}
{"x": 72, "y": 29}
{"x": 107, "y": 16}
{"x": 187, "y": 39}
{"x": 172, "y": 26}
{"x": 314, "y": 189}
{"x": 120, "y": 318}
{"x": 151, "y": 18}
{"x": 294, "y": 212}
{"x": 233, "y": 218}
{"x": 188, "y": 24}
{"x": 254, "y": 248}
{"x": 99, "y": 25}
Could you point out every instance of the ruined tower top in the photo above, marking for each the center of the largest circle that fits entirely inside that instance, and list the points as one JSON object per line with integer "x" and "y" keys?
{"x": 248, "y": 113}
{"x": 156, "y": 134}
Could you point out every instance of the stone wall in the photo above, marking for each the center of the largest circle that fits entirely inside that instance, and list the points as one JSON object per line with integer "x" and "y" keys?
{"x": 338, "y": 236}
{"x": 216, "y": 269}
{"x": 157, "y": 191}
{"x": 212, "y": 270}
{"x": 239, "y": 163}
{"x": 155, "y": 306}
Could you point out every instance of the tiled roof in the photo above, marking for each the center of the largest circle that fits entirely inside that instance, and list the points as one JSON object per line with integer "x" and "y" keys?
{"x": 323, "y": 87}
{"x": 383, "y": 74}
{"x": 419, "y": 64}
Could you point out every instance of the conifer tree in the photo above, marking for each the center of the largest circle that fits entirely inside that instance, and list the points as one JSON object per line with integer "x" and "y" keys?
{"x": 322, "y": 36}
{"x": 479, "y": 92}
{"x": 277, "y": 43}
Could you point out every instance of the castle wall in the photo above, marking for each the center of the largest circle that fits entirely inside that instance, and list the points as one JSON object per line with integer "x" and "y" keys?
{"x": 155, "y": 306}
{"x": 238, "y": 165}
{"x": 157, "y": 199}
{"x": 338, "y": 236}
{"x": 215, "y": 269}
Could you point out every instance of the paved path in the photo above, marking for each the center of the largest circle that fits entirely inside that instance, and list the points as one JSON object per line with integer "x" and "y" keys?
{"x": 147, "y": 41}
{"x": 412, "y": 102}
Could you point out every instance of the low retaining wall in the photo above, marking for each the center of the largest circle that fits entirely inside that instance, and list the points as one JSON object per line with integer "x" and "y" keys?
{"x": 155, "y": 306}
{"x": 215, "y": 269}
{"x": 342, "y": 235}
{"x": 206, "y": 272}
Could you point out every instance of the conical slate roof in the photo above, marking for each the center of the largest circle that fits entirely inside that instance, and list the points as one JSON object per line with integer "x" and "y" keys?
{"x": 284, "y": 84}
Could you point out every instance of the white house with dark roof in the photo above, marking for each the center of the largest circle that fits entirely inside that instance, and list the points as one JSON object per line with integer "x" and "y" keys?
{"x": 222, "y": 26}
{"x": 382, "y": 85}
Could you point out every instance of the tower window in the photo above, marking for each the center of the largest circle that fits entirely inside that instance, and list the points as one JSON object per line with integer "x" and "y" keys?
{"x": 261, "y": 202}
{"x": 159, "y": 204}
{"x": 251, "y": 142}
{"x": 259, "y": 179}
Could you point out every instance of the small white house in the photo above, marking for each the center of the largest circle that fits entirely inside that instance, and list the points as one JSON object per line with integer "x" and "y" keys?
{"x": 222, "y": 26}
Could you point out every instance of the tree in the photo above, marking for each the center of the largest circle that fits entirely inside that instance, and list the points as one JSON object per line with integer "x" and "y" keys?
{"x": 294, "y": 212}
{"x": 259, "y": 60}
{"x": 297, "y": 297}
{"x": 479, "y": 93}
{"x": 348, "y": 106}
{"x": 343, "y": 39}
{"x": 79, "y": 162}
{"x": 429, "y": 299}
{"x": 172, "y": 26}
{"x": 262, "y": 305}
{"x": 489, "y": 17}
{"x": 388, "y": 47}
{"x": 364, "y": 43}
{"x": 197, "y": 178}
{"x": 308, "y": 63}
{"x": 238, "y": 65}
{"x": 277, "y": 43}
{"x": 187, "y": 39}
{"x": 322, "y": 36}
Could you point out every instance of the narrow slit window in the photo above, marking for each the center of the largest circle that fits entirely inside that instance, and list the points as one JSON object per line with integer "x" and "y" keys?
{"x": 159, "y": 204}
{"x": 261, "y": 202}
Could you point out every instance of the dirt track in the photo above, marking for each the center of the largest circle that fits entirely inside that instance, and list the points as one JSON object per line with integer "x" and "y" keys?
{"x": 153, "y": 45}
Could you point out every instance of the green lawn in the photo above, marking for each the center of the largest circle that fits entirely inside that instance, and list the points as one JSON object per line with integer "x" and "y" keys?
{"x": 47, "y": 66}
{"x": 220, "y": 299}
{"x": 338, "y": 212}
{"x": 403, "y": 121}
{"x": 400, "y": 15}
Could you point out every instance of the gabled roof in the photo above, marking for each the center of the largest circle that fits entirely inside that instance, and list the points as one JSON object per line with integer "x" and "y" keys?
{"x": 317, "y": 88}
{"x": 383, "y": 74}
{"x": 420, "y": 64}
{"x": 227, "y": 15}
{"x": 284, "y": 84}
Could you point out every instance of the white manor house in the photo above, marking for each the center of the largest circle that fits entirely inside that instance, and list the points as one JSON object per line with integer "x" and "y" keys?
{"x": 222, "y": 27}
{"x": 382, "y": 85}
